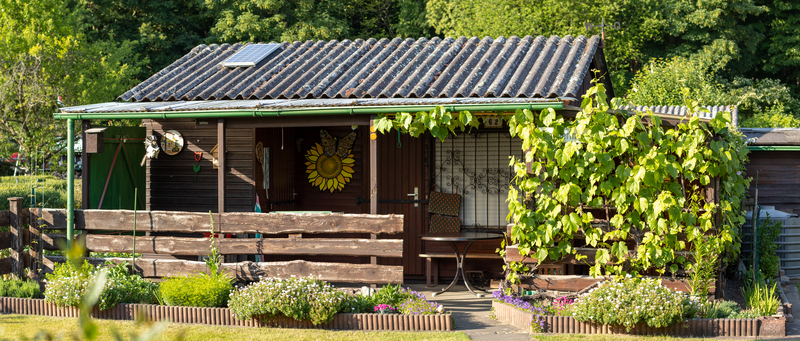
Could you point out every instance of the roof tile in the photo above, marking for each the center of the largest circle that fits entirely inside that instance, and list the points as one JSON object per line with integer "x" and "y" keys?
{"x": 527, "y": 67}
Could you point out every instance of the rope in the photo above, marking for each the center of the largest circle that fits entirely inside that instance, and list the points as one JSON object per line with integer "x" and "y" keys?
{"x": 109, "y": 177}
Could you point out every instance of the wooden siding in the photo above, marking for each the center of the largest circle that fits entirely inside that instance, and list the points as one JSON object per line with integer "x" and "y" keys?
{"x": 778, "y": 179}
{"x": 171, "y": 184}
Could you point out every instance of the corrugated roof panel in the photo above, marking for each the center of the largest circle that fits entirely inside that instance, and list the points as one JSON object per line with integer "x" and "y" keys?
{"x": 464, "y": 67}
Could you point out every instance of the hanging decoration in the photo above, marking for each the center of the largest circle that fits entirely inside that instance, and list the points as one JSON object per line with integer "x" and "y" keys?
{"x": 330, "y": 164}
{"x": 151, "y": 148}
{"x": 197, "y": 157}
{"x": 172, "y": 142}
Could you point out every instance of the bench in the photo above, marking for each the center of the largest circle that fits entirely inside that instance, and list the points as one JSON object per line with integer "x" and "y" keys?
{"x": 432, "y": 264}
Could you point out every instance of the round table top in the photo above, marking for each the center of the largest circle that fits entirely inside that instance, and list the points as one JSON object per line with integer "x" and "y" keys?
{"x": 463, "y": 236}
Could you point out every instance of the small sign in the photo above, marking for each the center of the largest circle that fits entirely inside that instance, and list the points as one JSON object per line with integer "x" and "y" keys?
{"x": 492, "y": 122}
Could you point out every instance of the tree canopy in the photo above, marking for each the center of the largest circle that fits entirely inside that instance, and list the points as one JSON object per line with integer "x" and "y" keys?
{"x": 733, "y": 52}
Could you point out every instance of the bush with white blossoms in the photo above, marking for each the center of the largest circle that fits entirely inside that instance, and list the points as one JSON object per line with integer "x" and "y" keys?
{"x": 68, "y": 283}
{"x": 628, "y": 301}
{"x": 300, "y": 298}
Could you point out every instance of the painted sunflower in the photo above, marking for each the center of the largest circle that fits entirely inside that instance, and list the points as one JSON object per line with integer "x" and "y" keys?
{"x": 329, "y": 173}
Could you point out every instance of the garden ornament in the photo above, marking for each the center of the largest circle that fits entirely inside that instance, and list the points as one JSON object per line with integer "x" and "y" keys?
{"x": 151, "y": 148}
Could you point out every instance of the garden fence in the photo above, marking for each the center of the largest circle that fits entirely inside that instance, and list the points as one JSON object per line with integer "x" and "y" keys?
{"x": 335, "y": 237}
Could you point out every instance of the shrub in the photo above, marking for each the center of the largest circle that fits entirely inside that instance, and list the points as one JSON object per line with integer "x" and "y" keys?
{"x": 357, "y": 305}
{"x": 68, "y": 283}
{"x": 19, "y": 288}
{"x": 768, "y": 232}
{"x": 745, "y": 314}
{"x": 394, "y": 295}
{"x": 628, "y": 301}
{"x": 720, "y": 309}
{"x": 198, "y": 290}
{"x": 299, "y": 298}
{"x": 761, "y": 298}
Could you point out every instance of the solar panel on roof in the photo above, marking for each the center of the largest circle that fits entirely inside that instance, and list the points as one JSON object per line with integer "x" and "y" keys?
{"x": 250, "y": 55}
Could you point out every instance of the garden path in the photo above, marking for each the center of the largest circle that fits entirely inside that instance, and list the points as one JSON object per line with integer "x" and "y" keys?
{"x": 471, "y": 314}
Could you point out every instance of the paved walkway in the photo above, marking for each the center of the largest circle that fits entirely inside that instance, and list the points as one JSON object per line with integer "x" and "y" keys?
{"x": 471, "y": 314}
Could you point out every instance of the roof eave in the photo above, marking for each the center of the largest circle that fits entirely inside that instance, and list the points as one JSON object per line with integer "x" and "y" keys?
{"x": 360, "y": 110}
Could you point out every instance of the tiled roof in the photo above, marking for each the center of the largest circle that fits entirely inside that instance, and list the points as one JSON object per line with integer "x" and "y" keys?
{"x": 678, "y": 110}
{"x": 529, "y": 67}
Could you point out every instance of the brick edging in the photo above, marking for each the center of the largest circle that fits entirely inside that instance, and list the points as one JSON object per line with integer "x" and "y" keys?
{"x": 224, "y": 316}
{"x": 763, "y": 326}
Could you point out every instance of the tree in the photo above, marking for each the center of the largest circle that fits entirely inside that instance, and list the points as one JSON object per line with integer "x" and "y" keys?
{"x": 760, "y": 102}
{"x": 271, "y": 20}
{"x": 159, "y": 31}
{"x": 45, "y": 55}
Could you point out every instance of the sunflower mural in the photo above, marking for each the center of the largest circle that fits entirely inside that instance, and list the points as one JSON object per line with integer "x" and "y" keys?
{"x": 330, "y": 164}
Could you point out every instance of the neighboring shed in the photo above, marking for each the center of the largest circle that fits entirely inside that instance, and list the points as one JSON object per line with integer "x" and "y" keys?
{"x": 775, "y": 163}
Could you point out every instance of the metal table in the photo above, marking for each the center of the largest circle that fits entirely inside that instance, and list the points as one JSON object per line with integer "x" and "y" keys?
{"x": 453, "y": 238}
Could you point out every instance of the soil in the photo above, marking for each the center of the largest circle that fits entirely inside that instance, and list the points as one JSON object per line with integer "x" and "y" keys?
{"x": 733, "y": 291}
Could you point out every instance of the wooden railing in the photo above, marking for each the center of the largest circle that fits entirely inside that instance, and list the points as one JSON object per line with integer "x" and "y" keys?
{"x": 296, "y": 226}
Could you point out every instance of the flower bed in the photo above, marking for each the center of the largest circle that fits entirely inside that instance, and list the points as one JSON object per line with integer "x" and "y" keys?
{"x": 201, "y": 298}
{"x": 225, "y": 317}
{"x": 638, "y": 306}
{"x": 762, "y": 326}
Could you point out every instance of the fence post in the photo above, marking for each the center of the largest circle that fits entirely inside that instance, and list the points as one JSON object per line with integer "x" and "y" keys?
{"x": 15, "y": 222}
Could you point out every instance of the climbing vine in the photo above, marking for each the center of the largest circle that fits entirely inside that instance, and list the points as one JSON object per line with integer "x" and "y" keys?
{"x": 647, "y": 183}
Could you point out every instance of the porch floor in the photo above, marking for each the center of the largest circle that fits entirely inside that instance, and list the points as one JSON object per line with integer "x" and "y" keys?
{"x": 471, "y": 314}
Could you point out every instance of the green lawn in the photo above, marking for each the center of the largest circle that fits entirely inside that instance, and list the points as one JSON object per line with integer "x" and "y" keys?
{"x": 18, "y": 327}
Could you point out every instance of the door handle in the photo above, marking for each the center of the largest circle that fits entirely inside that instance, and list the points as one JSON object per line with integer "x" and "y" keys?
{"x": 415, "y": 195}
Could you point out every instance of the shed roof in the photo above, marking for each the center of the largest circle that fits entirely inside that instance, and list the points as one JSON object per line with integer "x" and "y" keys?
{"x": 680, "y": 111}
{"x": 529, "y": 67}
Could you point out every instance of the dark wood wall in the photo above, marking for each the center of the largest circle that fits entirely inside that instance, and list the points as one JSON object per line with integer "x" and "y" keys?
{"x": 778, "y": 179}
{"x": 171, "y": 184}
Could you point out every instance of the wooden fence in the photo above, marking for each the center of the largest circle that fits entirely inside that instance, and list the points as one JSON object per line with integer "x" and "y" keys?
{"x": 286, "y": 234}
{"x": 16, "y": 218}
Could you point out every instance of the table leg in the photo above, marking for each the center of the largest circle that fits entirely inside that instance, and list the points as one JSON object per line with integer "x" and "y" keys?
{"x": 463, "y": 273}
{"x": 459, "y": 261}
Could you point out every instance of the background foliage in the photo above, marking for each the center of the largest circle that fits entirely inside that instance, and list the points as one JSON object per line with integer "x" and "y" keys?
{"x": 744, "y": 52}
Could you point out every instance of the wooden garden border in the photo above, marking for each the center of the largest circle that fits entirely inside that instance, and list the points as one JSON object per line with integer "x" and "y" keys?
{"x": 224, "y": 316}
{"x": 763, "y": 326}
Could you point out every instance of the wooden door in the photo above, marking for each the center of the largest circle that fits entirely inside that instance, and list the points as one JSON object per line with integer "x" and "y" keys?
{"x": 403, "y": 167}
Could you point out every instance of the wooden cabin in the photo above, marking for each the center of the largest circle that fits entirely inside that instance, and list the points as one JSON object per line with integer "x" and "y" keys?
{"x": 254, "y": 120}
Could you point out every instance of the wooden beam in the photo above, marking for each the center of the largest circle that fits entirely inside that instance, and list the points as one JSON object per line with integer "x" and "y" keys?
{"x": 5, "y": 266}
{"x": 50, "y": 241}
{"x": 575, "y": 283}
{"x": 222, "y": 166}
{"x": 512, "y": 255}
{"x": 232, "y": 222}
{"x": 5, "y": 239}
{"x": 247, "y": 246}
{"x": 306, "y": 121}
{"x": 250, "y": 271}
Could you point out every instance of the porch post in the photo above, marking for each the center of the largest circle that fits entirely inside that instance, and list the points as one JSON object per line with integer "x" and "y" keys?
{"x": 86, "y": 125}
{"x": 373, "y": 168}
{"x": 70, "y": 181}
{"x": 221, "y": 167}
{"x": 373, "y": 177}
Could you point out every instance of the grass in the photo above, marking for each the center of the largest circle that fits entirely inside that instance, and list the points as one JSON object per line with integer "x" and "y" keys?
{"x": 50, "y": 191}
{"x": 19, "y": 327}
